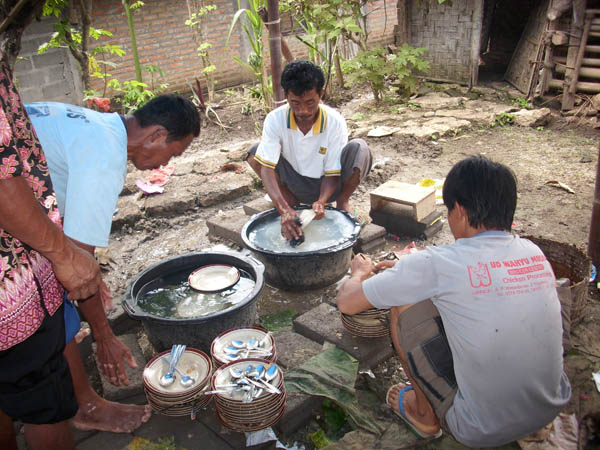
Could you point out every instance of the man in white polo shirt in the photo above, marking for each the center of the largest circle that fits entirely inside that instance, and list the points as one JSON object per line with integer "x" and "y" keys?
{"x": 304, "y": 155}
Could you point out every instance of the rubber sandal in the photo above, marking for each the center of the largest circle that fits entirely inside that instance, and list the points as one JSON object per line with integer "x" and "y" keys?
{"x": 402, "y": 414}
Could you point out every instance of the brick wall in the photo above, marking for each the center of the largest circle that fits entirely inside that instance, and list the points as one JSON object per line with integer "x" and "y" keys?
{"x": 164, "y": 40}
{"x": 446, "y": 32}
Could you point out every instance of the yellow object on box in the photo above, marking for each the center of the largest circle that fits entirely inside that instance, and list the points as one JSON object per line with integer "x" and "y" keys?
{"x": 437, "y": 183}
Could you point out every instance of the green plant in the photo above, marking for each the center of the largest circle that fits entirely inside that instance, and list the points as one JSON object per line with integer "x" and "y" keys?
{"x": 253, "y": 27}
{"x": 358, "y": 116}
{"x": 156, "y": 71}
{"x": 197, "y": 12}
{"x": 75, "y": 35}
{"x": 522, "y": 103}
{"x": 382, "y": 71}
{"x": 130, "y": 94}
{"x": 503, "y": 119}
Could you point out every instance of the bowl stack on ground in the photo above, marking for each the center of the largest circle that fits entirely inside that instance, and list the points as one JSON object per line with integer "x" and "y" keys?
{"x": 372, "y": 323}
{"x": 243, "y": 342}
{"x": 246, "y": 397}
{"x": 178, "y": 399}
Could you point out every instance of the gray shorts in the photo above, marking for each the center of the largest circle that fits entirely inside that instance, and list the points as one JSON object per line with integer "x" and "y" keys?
{"x": 355, "y": 154}
{"x": 423, "y": 339}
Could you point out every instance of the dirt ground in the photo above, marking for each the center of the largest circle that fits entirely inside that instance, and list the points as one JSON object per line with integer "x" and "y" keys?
{"x": 561, "y": 151}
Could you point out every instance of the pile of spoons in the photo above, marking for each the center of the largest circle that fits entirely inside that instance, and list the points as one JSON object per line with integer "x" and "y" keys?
{"x": 174, "y": 381}
{"x": 241, "y": 343}
{"x": 249, "y": 394}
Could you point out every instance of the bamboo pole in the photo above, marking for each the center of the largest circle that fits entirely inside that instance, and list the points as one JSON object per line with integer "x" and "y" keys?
{"x": 582, "y": 86}
{"x": 548, "y": 61}
{"x": 275, "y": 49}
{"x": 586, "y": 62}
{"x": 587, "y": 72}
{"x": 476, "y": 42}
{"x": 575, "y": 42}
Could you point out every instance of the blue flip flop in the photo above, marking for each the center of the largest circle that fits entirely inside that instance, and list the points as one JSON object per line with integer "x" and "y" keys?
{"x": 402, "y": 414}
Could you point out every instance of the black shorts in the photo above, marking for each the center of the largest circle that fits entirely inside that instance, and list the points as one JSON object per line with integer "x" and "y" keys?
{"x": 35, "y": 382}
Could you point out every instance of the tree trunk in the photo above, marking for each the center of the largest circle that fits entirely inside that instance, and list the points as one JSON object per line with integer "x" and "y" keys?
{"x": 15, "y": 15}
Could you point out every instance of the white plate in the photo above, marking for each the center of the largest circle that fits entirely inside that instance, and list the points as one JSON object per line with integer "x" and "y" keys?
{"x": 240, "y": 334}
{"x": 193, "y": 363}
{"x": 214, "y": 277}
{"x": 222, "y": 376}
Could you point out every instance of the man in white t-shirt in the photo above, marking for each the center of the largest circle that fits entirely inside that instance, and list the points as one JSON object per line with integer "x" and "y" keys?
{"x": 87, "y": 153}
{"x": 476, "y": 324}
{"x": 304, "y": 155}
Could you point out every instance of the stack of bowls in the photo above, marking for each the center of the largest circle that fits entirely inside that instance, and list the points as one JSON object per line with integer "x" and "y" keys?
{"x": 177, "y": 399}
{"x": 372, "y": 323}
{"x": 242, "y": 334}
{"x": 237, "y": 413}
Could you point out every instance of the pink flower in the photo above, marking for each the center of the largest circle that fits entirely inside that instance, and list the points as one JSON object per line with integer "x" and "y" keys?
{"x": 5, "y": 130}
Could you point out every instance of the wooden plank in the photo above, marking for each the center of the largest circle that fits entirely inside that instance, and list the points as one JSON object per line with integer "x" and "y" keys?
{"x": 420, "y": 199}
{"x": 582, "y": 86}
{"x": 575, "y": 42}
{"x": 592, "y": 48}
{"x": 546, "y": 72}
{"x": 520, "y": 67}
{"x": 476, "y": 42}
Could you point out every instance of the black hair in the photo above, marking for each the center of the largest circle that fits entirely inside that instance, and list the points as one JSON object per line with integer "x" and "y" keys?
{"x": 486, "y": 189}
{"x": 177, "y": 114}
{"x": 302, "y": 76}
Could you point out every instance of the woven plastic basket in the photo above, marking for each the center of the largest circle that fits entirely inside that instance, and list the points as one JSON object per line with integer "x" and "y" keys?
{"x": 568, "y": 261}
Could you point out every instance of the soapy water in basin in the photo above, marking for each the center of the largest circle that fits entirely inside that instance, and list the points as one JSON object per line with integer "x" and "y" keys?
{"x": 172, "y": 297}
{"x": 333, "y": 229}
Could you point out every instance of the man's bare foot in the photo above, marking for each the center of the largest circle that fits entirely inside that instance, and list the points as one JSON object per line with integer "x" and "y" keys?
{"x": 427, "y": 423}
{"x": 343, "y": 205}
{"x": 110, "y": 416}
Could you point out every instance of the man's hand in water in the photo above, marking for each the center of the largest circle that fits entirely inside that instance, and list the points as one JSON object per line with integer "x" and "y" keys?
{"x": 319, "y": 209}
{"x": 290, "y": 224}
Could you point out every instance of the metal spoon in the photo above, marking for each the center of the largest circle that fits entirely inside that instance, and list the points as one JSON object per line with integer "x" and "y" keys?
{"x": 186, "y": 381}
{"x": 168, "y": 378}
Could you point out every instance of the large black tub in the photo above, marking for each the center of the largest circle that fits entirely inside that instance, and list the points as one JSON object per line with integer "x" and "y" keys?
{"x": 300, "y": 270}
{"x": 194, "y": 332}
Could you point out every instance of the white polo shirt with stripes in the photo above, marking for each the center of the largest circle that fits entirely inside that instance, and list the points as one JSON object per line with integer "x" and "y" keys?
{"x": 312, "y": 155}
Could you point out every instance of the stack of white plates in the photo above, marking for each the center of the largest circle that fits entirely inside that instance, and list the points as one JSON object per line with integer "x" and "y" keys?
{"x": 372, "y": 323}
{"x": 237, "y": 414}
{"x": 242, "y": 334}
{"x": 175, "y": 399}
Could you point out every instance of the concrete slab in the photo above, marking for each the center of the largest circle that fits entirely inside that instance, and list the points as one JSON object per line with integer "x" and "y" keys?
{"x": 293, "y": 349}
{"x": 323, "y": 323}
{"x": 228, "y": 225}
{"x": 136, "y": 386}
{"x": 257, "y": 205}
{"x": 208, "y": 418}
{"x": 371, "y": 247}
{"x": 222, "y": 187}
{"x": 397, "y": 219}
{"x": 120, "y": 322}
{"x": 299, "y": 409}
{"x": 370, "y": 232}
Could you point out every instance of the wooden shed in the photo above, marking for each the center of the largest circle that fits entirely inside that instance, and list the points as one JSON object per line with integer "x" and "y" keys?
{"x": 472, "y": 40}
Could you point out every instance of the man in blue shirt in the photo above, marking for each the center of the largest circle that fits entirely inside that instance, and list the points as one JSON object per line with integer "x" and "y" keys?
{"x": 87, "y": 153}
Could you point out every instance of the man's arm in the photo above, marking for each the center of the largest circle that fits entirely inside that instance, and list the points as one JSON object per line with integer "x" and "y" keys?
{"x": 288, "y": 215}
{"x": 351, "y": 297}
{"x": 23, "y": 217}
{"x": 110, "y": 351}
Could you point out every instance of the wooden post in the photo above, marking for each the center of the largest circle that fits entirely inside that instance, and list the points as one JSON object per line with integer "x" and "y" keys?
{"x": 594, "y": 239}
{"x": 568, "y": 101}
{"x": 548, "y": 62}
{"x": 476, "y": 41}
{"x": 579, "y": 59}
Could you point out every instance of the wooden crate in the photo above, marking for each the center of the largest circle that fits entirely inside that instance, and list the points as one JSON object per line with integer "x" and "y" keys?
{"x": 420, "y": 199}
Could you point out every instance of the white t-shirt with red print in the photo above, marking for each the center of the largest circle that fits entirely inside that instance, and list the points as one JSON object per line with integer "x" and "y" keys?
{"x": 497, "y": 299}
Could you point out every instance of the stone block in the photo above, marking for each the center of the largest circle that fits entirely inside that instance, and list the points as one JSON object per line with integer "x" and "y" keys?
{"x": 228, "y": 225}
{"x": 136, "y": 386}
{"x": 32, "y": 78}
{"x": 120, "y": 322}
{"x": 208, "y": 417}
{"x": 370, "y": 232}
{"x": 398, "y": 219}
{"x": 370, "y": 247}
{"x": 49, "y": 59}
{"x": 323, "y": 323}
{"x": 129, "y": 212}
{"x": 293, "y": 349}
{"x": 299, "y": 409}
{"x": 171, "y": 201}
{"x": 257, "y": 206}
{"x": 224, "y": 186}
